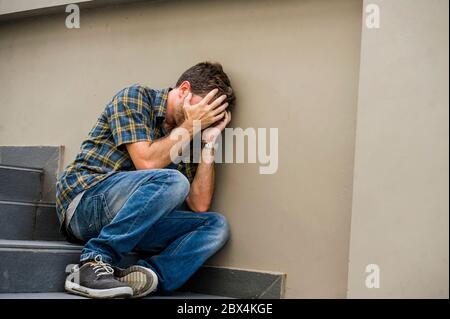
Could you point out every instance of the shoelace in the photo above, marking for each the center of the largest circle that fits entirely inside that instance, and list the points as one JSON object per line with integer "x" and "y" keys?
{"x": 101, "y": 268}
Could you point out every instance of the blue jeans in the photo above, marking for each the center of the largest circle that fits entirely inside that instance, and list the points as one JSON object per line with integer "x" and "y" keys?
{"x": 139, "y": 209}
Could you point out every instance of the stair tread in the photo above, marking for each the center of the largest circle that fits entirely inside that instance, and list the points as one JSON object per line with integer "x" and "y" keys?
{"x": 21, "y": 168}
{"x": 38, "y": 244}
{"x": 63, "y": 295}
{"x": 44, "y": 245}
{"x": 24, "y": 202}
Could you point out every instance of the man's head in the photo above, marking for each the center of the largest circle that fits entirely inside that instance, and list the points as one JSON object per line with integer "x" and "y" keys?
{"x": 199, "y": 80}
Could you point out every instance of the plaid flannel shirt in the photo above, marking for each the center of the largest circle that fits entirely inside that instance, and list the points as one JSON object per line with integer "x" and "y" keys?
{"x": 135, "y": 114}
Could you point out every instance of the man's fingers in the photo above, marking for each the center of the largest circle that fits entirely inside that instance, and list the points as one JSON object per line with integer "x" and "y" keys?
{"x": 218, "y": 117}
{"x": 227, "y": 117}
{"x": 220, "y": 109}
{"x": 218, "y": 101}
{"x": 187, "y": 100}
{"x": 223, "y": 122}
{"x": 209, "y": 96}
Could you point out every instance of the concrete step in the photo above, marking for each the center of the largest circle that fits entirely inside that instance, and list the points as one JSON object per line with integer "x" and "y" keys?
{"x": 20, "y": 183}
{"x": 37, "y": 269}
{"x": 28, "y": 221}
{"x": 35, "y": 266}
{"x": 62, "y": 295}
{"x": 39, "y": 266}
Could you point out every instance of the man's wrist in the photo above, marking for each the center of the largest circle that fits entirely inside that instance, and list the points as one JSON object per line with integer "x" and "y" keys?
{"x": 188, "y": 125}
{"x": 208, "y": 152}
{"x": 209, "y": 146}
{"x": 210, "y": 139}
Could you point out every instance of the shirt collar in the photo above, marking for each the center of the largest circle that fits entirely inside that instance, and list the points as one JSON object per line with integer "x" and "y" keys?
{"x": 160, "y": 102}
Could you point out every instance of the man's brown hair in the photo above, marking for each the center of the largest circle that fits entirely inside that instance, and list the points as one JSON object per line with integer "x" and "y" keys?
{"x": 206, "y": 76}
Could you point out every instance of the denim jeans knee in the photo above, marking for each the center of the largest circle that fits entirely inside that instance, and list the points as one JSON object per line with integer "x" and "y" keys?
{"x": 220, "y": 225}
{"x": 179, "y": 185}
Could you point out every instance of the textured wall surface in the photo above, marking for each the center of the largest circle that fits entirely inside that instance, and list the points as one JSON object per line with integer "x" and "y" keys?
{"x": 400, "y": 204}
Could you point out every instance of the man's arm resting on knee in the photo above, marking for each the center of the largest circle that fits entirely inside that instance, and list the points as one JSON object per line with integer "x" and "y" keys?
{"x": 156, "y": 154}
{"x": 202, "y": 187}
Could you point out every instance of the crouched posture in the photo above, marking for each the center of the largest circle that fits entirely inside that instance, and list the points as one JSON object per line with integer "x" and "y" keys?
{"x": 123, "y": 193}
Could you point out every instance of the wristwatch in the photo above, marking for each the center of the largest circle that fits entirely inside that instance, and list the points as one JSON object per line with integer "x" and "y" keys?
{"x": 209, "y": 146}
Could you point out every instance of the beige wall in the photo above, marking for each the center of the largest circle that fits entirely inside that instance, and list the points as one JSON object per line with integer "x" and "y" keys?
{"x": 400, "y": 205}
{"x": 295, "y": 67}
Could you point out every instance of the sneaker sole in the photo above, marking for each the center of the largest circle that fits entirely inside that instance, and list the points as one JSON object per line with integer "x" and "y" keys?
{"x": 142, "y": 280}
{"x": 120, "y": 292}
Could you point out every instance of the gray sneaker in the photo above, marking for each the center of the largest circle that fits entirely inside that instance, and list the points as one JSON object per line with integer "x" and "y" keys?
{"x": 143, "y": 280}
{"x": 95, "y": 279}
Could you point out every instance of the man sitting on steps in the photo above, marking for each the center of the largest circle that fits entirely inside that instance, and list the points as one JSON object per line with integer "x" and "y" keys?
{"x": 123, "y": 192}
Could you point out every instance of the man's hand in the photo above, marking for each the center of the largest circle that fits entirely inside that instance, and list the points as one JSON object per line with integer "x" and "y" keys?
{"x": 211, "y": 133}
{"x": 205, "y": 112}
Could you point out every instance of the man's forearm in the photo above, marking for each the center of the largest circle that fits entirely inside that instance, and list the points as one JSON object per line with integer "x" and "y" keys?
{"x": 157, "y": 154}
{"x": 202, "y": 187}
